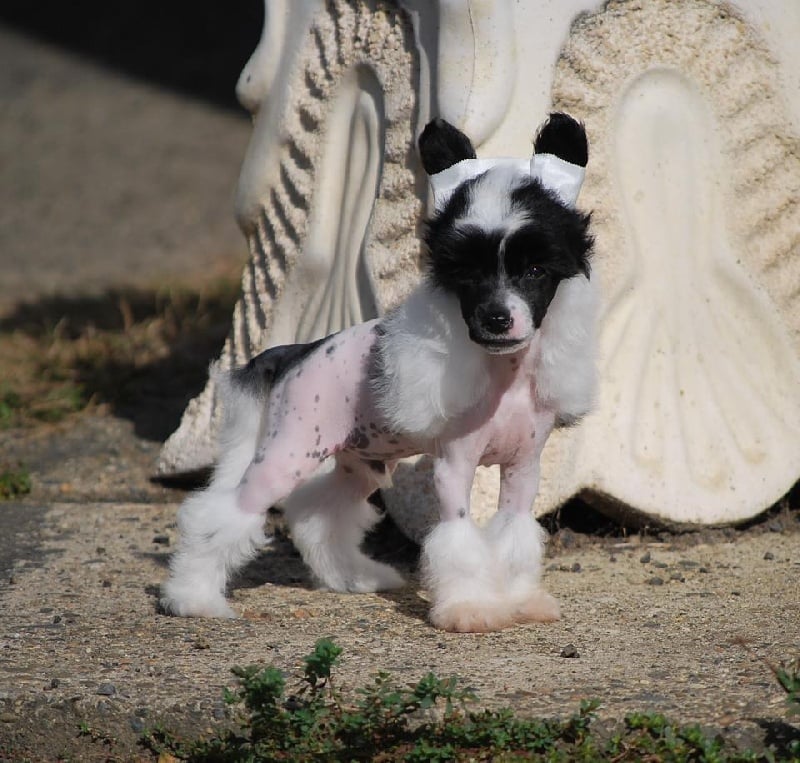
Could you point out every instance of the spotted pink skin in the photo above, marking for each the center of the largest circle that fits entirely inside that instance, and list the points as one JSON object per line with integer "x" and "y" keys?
{"x": 324, "y": 406}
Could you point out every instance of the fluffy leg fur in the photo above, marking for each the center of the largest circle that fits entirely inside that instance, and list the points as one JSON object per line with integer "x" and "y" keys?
{"x": 460, "y": 574}
{"x": 216, "y": 537}
{"x": 328, "y": 518}
{"x": 517, "y": 541}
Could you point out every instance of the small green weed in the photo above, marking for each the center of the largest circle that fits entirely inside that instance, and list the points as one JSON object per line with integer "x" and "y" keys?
{"x": 10, "y": 405}
{"x": 14, "y": 483}
{"x": 788, "y": 676}
{"x": 424, "y": 723}
{"x": 85, "y": 730}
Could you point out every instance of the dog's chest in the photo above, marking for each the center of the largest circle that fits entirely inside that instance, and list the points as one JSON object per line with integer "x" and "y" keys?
{"x": 517, "y": 428}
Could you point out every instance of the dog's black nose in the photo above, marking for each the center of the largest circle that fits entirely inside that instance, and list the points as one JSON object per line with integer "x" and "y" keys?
{"x": 498, "y": 320}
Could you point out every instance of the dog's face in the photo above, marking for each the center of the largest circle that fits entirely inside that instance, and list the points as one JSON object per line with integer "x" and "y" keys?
{"x": 502, "y": 242}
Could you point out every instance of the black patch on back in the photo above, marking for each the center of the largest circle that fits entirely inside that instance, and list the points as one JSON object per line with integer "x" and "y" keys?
{"x": 271, "y": 365}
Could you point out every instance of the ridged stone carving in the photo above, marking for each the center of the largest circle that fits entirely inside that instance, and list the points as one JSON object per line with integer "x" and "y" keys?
{"x": 327, "y": 198}
{"x": 695, "y": 185}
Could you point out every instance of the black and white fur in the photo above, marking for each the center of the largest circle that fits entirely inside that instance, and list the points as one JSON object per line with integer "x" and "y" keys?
{"x": 494, "y": 349}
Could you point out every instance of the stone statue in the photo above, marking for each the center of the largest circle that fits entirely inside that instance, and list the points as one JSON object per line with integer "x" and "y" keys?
{"x": 692, "y": 109}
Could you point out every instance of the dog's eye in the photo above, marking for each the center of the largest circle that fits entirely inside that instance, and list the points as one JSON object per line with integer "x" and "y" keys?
{"x": 535, "y": 272}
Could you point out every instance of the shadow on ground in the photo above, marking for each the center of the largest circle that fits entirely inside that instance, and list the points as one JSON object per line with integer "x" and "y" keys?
{"x": 195, "y": 48}
{"x": 143, "y": 353}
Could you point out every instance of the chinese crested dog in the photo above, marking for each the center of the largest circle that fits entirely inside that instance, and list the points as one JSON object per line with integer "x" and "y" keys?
{"x": 492, "y": 351}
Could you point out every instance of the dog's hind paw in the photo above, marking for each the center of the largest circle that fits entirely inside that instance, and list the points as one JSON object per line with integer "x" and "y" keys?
{"x": 471, "y": 616}
{"x": 537, "y": 606}
{"x": 189, "y": 604}
{"x": 365, "y": 576}
{"x": 376, "y": 577}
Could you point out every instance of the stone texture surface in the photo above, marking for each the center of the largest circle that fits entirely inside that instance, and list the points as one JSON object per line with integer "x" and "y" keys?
{"x": 696, "y": 238}
{"x": 328, "y": 195}
{"x": 694, "y": 183}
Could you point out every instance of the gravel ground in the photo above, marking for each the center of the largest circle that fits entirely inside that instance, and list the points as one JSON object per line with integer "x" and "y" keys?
{"x": 649, "y": 622}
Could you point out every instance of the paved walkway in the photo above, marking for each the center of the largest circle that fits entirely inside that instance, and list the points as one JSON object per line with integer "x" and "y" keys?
{"x": 105, "y": 180}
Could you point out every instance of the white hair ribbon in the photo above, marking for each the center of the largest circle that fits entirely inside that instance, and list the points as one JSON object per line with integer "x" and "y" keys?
{"x": 555, "y": 174}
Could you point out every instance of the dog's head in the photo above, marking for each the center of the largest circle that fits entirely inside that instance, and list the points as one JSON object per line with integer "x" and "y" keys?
{"x": 502, "y": 240}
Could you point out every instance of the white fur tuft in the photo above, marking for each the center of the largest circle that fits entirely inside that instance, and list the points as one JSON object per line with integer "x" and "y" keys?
{"x": 216, "y": 537}
{"x": 566, "y": 376}
{"x": 489, "y": 206}
{"x": 460, "y": 575}
{"x": 518, "y": 542}
{"x": 328, "y": 519}
{"x": 432, "y": 371}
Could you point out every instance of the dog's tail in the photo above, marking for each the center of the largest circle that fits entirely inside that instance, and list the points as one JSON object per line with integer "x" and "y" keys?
{"x": 243, "y": 400}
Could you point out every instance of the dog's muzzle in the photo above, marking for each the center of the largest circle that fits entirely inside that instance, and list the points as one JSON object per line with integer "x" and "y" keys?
{"x": 490, "y": 330}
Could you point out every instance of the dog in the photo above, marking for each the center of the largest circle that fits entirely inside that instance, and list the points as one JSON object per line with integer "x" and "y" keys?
{"x": 492, "y": 351}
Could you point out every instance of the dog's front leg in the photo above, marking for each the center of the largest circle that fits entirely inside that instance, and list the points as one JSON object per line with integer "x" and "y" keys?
{"x": 457, "y": 562}
{"x": 518, "y": 541}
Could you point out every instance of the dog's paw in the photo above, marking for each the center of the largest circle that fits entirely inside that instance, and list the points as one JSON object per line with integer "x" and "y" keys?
{"x": 363, "y": 575}
{"x": 189, "y": 604}
{"x": 471, "y": 616}
{"x": 537, "y": 606}
{"x": 375, "y": 576}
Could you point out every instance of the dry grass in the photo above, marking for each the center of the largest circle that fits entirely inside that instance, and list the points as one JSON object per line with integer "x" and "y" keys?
{"x": 141, "y": 352}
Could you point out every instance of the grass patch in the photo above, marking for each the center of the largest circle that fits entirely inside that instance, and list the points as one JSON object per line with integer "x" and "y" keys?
{"x": 14, "y": 483}
{"x": 144, "y": 353}
{"x": 429, "y": 722}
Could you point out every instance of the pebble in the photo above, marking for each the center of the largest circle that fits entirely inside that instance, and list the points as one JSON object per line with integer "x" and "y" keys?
{"x": 655, "y": 580}
{"x": 106, "y": 690}
{"x": 645, "y": 557}
{"x": 137, "y": 725}
{"x": 769, "y": 556}
{"x": 569, "y": 651}
{"x": 576, "y": 567}
{"x": 161, "y": 540}
{"x": 566, "y": 538}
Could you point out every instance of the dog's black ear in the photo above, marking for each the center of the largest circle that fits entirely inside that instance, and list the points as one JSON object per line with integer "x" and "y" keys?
{"x": 441, "y": 146}
{"x": 565, "y": 137}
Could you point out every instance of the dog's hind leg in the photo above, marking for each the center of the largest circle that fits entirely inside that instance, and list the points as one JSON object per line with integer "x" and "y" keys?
{"x": 216, "y": 536}
{"x": 328, "y": 518}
